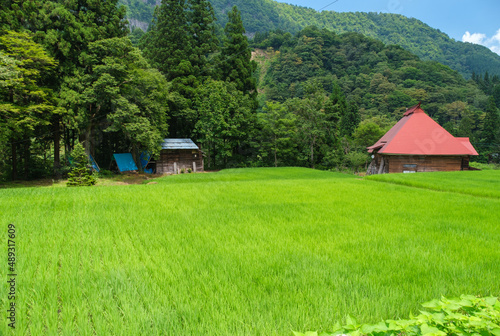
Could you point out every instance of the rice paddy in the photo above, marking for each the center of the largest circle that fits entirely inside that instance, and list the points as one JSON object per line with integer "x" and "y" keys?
{"x": 243, "y": 252}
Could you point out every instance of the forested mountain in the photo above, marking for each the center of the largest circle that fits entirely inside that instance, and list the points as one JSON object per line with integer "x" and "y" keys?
{"x": 379, "y": 80}
{"x": 414, "y": 35}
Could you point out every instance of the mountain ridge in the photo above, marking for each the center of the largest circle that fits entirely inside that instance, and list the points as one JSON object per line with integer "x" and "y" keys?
{"x": 412, "y": 34}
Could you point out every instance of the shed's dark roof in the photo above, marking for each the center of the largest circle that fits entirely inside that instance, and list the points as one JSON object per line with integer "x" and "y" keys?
{"x": 178, "y": 144}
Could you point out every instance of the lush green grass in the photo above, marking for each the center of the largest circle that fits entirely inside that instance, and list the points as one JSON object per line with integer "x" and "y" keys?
{"x": 479, "y": 183}
{"x": 242, "y": 252}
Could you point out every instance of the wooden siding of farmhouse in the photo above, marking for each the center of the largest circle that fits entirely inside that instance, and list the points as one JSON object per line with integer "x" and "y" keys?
{"x": 417, "y": 163}
{"x": 171, "y": 159}
{"x": 397, "y": 163}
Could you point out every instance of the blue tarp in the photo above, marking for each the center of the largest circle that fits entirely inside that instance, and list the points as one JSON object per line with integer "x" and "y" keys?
{"x": 145, "y": 157}
{"x": 125, "y": 162}
{"x": 94, "y": 164}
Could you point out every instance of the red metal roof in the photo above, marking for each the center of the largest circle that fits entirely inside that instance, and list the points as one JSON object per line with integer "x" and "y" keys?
{"x": 417, "y": 134}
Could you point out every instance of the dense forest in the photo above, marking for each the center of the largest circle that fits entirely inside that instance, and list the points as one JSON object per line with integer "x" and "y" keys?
{"x": 72, "y": 72}
{"x": 411, "y": 34}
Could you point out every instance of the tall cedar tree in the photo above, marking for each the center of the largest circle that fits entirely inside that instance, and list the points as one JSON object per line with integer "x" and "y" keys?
{"x": 202, "y": 20}
{"x": 169, "y": 42}
{"x": 236, "y": 65}
{"x": 349, "y": 120}
{"x": 335, "y": 107}
{"x": 491, "y": 128}
{"x": 179, "y": 43}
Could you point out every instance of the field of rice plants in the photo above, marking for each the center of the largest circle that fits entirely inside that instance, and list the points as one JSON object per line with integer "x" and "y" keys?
{"x": 479, "y": 183}
{"x": 242, "y": 252}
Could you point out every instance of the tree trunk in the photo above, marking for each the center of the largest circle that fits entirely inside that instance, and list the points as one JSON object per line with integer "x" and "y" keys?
{"x": 312, "y": 154}
{"x": 275, "y": 150}
{"x": 57, "y": 148}
{"x": 87, "y": 144}
{"x": 136, "y": 157}
{"x": 14, "y": 160}
{"x": 26, "y": 159}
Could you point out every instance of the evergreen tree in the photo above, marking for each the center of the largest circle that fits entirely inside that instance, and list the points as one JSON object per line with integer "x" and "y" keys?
{"x": 201, "y": 18}
{"x": 80, "y": 175}
{"x": 491, "y": 129}
{"x": 236, "y": 64}
{"x": 180, "y": 41}
{"x": 66, "y": 28}
{"x": 349, "y": 120}
{"x": 335, "y": 107}
{"x": 169, "y": 43}
{"x": 496, "y": 95}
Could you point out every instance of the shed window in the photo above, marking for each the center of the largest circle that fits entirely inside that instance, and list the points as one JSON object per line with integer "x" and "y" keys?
{"x": 409, "y": 168}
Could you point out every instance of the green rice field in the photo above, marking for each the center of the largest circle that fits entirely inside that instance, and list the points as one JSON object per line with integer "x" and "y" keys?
{"x": 477, "y": 183}
{"x": 246, "y": 251}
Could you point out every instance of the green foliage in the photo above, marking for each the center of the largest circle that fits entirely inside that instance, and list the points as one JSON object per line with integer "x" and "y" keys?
{"x": 79, "y": 22}
{"x": 356, "y": 160}
{"x": 467, "y": 315}
{"x": 236, "y": 65}
{"x": 202, "y": 21}
{"x": 349, "y": 120}
{"x": 260, "y": 16}
{"x": 491, "y": 129}
{"x": 27, "y": 104}
{"x": 117, "y": 85}
{"x": 167, "y": 45}
{"x": 278, "y": 136}
{"x": 381, "y": 80}
{"x": 80, "y": 175}
{"x": 135, "y": 36}
{"x": 225, "y": 122}
{"x": 485, "y": 166}
{"x": 312, "y": 122}
{"x": 367, "y": 133}
{"x": 179, "y": 44}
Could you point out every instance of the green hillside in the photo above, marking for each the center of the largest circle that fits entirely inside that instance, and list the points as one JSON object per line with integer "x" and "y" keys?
{"x": 414, "y": 35}
{"x": 380, "y": 78}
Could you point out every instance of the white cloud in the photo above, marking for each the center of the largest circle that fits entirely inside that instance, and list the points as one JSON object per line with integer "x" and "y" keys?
{"x": 478, "y": 38}
{"x": 496, "y": 37}
{"x": 475, "y": 38}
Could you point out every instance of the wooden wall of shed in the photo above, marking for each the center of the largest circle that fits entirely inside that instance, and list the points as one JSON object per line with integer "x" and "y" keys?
{"x": 423, "y": 163}
{"x": 183, "y": 157}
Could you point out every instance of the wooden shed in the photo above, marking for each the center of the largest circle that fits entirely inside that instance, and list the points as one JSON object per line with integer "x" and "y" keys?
{"x": 419, "y": 144}
{"x": 177, "y": 154}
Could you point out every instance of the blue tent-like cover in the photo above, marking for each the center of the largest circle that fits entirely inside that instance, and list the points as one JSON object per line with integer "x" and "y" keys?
{"x": 125, "y": 162}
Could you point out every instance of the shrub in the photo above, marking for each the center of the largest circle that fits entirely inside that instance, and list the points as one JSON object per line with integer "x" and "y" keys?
{"x": 467, "y": 315}
{"x": 80, "y": 174}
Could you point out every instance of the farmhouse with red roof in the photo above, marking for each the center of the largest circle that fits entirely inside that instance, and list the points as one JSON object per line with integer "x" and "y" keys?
{"x": 418, "y": 144}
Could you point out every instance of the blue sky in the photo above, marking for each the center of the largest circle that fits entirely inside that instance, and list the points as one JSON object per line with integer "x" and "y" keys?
{"x": 476, "y": 21}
